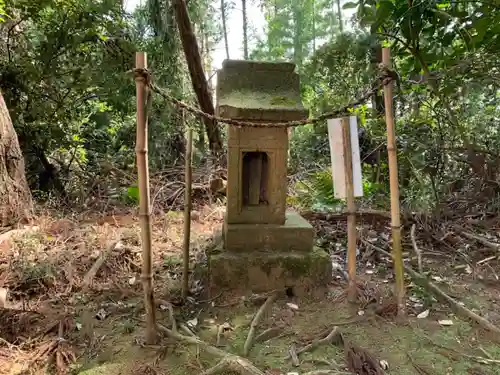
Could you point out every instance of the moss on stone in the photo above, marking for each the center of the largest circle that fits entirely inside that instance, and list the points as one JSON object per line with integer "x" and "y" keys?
{"x": 268, "y": 270}
{"x": 282, "y": 101}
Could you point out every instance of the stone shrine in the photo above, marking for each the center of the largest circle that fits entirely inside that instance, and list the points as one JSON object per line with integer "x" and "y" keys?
{"x": 264, "y": 246}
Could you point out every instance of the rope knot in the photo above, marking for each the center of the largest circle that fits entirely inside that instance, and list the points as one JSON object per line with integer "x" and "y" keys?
{"x": 142, "y": 74}
{"x": 387, "y": 74}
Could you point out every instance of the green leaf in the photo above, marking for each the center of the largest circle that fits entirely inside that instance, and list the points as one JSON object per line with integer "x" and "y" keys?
{"x": 350, "y": 5}
{"x": 133, "y": 193}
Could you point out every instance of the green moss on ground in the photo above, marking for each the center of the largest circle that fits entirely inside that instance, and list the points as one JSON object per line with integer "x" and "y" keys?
{"x": 385, "y": 340}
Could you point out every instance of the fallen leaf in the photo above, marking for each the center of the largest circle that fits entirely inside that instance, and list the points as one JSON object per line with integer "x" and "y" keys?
{"x": 192, "y": 322}
{"x": 445, "y": 322}
{"x": 384, "y": 364}
{"x": 293, "y": 306}
{"x": 423, "y": 314}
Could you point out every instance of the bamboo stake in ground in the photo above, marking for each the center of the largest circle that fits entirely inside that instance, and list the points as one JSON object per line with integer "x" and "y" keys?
{"x": 351, "y": 210}
{"x": 394, "y": 188}
{"x": 187, "y": 212}
{"x": 144, "y": 198}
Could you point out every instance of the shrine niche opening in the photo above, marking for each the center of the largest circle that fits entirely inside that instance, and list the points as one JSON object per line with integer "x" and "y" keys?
{"x": 255, "y": 178}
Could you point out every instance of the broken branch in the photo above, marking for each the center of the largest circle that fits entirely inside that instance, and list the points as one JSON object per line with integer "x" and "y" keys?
{"x": 434, "y": 289}
{"x": 293, "y": 355}
{"x": 89, "y": 277}
{"x": 418, "y": 252}
{"x": 269, "y": 334}
{"x": 482, "y": 240}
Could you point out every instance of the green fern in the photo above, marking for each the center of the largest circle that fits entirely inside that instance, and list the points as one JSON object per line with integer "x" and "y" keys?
{"x": 316, "y": 192}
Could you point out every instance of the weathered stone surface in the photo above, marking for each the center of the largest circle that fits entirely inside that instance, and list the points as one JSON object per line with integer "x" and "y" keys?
{"x": 296, "y": 234}
{"x": 265, "y": 271}
{"x": 265, "y": 91}
{"x": 264, "y": 246}
{"x": 258, "y": 91}
{"x": 271, "y": 213}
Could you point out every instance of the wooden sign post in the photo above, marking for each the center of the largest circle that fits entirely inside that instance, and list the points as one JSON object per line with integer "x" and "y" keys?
{"x": 347, "y": 182}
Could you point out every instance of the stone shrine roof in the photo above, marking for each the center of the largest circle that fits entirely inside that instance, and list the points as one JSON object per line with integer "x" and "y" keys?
{"x": 254, "y": 90}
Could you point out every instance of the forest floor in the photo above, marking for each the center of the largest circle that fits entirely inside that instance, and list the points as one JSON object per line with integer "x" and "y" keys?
{"x": 58, "y": 317}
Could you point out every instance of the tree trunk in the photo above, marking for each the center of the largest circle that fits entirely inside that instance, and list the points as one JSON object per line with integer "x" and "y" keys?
{"x": 245, "y": 29}
{"x": 198, "y": 79}
{"x": 15, "y": 197}
{"x": 339, "y": 14}
{"x": 224, "y": 27}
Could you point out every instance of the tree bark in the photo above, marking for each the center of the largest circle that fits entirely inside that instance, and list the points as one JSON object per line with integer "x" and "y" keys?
{"x": 224, "y": 26}
{"x": 15, "y": 197}
{"x": 198, "y": 79}
{"x": 245, "y": 29}
{"x": 339, "y": 15}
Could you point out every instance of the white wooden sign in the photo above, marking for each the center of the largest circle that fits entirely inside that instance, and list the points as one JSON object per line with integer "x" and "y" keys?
{"x": 337, "y": 154}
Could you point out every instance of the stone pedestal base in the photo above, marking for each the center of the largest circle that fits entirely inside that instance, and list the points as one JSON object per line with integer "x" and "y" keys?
{"x": 296, "y": 234}
{"x": 264, "y": 257}
{"x": 265, "y": 271}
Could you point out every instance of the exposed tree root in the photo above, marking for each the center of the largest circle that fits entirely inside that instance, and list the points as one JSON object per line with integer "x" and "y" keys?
{"x": 256, "y": 321}
{"x": 334, "y": 337}
{"x": 269, "y": 334}
{"x": 228, "y": 361}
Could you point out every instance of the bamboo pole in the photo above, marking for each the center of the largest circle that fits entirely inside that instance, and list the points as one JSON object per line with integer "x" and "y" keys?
{"x": 351, "y": 210}
{"x": 144, "y": 198}
{"x": 187, "y": 212}
{"x": 394, "y": 188}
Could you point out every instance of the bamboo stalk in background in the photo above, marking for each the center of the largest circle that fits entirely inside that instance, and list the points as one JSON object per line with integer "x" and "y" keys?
{"x": 144, "y": 197}
{"x": 187, "y": 212}
{"x": 351, "y": 210}
{"x": 394, "y": 188}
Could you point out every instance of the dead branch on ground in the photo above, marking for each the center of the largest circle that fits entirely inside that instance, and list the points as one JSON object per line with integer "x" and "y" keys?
{"x": 89, "y": 277}
{"x": 482, "y": 240}
{"x": 256, "y": 321}
{"x": 57, "y": 348}
{"x": 269, "y": 333}
{"x": 478, "y": 359}
{"x": 419, "y": 368}
{"x": 434, "y": 289}
{"x": 293, "y": 355}
{"x": 418, "y": 252}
